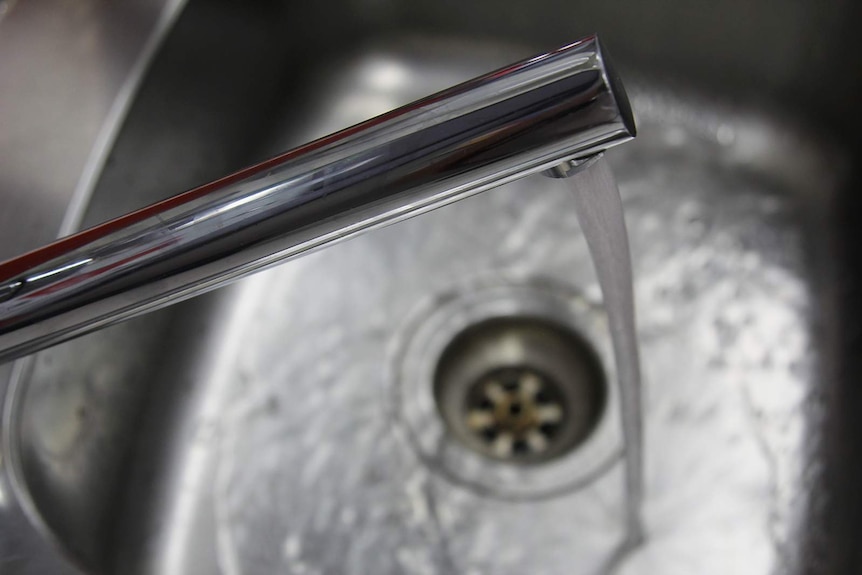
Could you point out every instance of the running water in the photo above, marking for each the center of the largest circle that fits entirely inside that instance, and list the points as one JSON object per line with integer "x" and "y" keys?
{"x": 600, "y": 212}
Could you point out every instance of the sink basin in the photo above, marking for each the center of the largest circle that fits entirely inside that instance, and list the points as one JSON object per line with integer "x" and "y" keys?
{"x": 287, "y": 423}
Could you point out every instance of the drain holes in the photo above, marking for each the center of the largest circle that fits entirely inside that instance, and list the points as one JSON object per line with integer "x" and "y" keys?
{"x": 515, "y": 411}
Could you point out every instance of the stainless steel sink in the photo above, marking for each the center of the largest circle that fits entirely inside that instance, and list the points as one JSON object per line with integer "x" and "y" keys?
{"x": 287, "y": 424}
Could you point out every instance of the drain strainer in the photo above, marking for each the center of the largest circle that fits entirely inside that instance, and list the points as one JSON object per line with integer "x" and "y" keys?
{"x": 519, "y": 389}
{"x": 501, "y": 387}
{"x": 516, "y": 413}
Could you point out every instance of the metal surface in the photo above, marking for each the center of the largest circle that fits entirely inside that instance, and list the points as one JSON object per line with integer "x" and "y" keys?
{"x": 254, "y": 430}
{"x": 70, "y": 71}
{"x": 518, "y": 120}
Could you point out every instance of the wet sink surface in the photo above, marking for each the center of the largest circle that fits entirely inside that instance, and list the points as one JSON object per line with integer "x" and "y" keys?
{"x": 284, "y": 424}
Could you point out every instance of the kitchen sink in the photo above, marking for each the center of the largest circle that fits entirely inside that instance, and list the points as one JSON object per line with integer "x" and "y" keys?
{"x": 290, "y": 422}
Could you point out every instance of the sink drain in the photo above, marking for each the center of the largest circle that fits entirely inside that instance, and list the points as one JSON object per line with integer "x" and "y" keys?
{"x": 507, "y": 388}
{"x": 519, "y": 389}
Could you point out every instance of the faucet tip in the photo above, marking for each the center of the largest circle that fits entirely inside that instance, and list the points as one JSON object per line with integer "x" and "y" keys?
{"x": 617, "y": 89}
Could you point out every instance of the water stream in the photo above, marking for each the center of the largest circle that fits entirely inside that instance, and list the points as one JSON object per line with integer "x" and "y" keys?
{"x": 600, "y": 213}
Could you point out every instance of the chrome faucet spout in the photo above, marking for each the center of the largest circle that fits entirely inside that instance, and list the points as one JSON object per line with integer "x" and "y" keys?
{"x": 564, "y": 105}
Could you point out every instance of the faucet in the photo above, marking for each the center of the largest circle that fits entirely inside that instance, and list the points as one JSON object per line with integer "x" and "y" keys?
{"x": 544, "y": 114}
